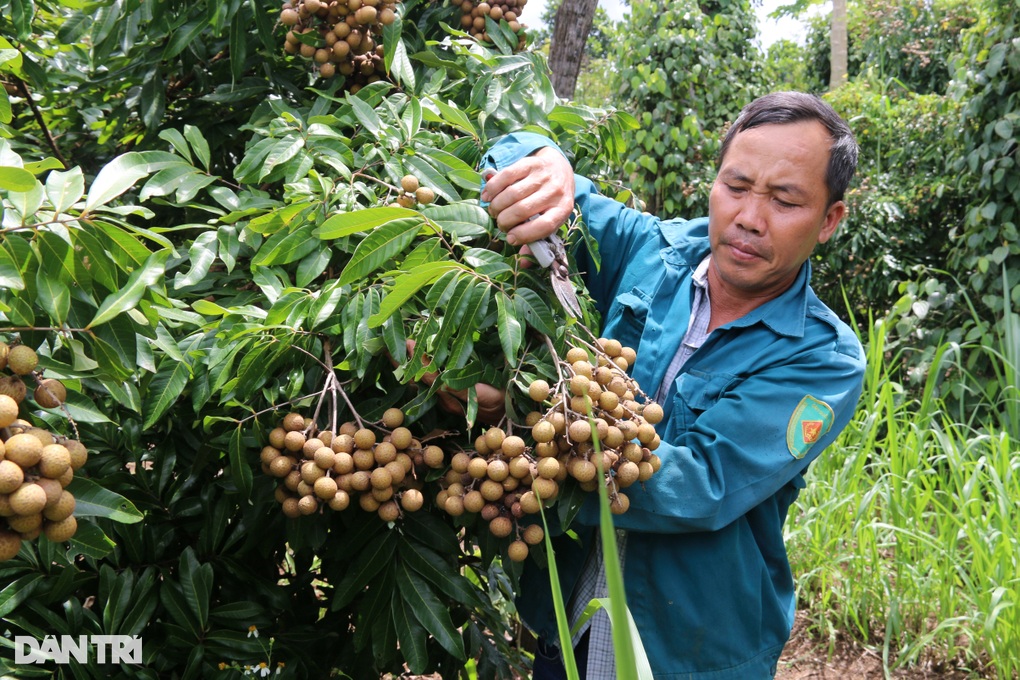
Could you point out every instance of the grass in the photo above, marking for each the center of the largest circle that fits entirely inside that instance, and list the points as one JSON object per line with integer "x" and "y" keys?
{"x": 908, "y": 534}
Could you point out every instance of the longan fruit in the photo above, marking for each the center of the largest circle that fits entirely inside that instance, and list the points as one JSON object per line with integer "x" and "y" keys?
{"x": 392, "y": 418}
{"x": 23, "y": 449}
{"x": 61, "y": 530}
{"x": 22, "y": 360}
{"x": 293, "y": 422}
{"x": 501, "y": 527}
{"x": 533, "y": 534}
{"x": 28, "y": 499}
{"x": 10, "y": 544}
{"x": 8, "y": 410}
{"x": 325, "y": 488}
{"x": 411, "y": 500}
{"x": 425, "y": 195}
{"x": 340, "y": 501}
{"x": 364, "y": 438}
{"x": 518, "y": 550}
{"x": 513, "y": 446}
{"x": 580, "y": 431}
{"x": 409, "y": 183}
{"x": 575, "y": 354}
{"x": 543, "y": 431}
{"x": 652, "y": 413}
{"x": 433, "y": 456}
{"x": 62, "y": 509}
{"x": 11, "y": 476}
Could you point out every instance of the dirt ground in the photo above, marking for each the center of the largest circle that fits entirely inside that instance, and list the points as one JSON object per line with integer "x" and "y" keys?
{"x": 805, "y": 658}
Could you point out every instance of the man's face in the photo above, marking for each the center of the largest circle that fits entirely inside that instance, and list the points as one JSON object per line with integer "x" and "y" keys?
{"x": 767, "y": 209}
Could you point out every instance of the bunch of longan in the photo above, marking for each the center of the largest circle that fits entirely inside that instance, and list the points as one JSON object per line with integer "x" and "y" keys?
{"x": 340, "y": 36}
{"x": 503, "y": 479}
{"x": 35, "y": 465}
{"x": 331, "y": 469}
{"x": 473, "y": 14}
{"x": 412, "y": 193}
{"x": 603, "y": 394}
{"x": 501, "y": 482}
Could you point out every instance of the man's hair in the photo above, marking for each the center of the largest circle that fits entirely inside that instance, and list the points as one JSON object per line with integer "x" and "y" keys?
{"x": 780, "y": 108}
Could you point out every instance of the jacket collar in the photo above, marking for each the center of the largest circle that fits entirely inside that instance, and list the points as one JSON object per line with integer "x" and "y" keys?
{"x": 784, "y": 314}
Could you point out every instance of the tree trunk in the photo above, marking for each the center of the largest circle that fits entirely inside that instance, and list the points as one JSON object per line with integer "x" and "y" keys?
{"x": 838, "y": 45}
{"x": 566, "y": 51}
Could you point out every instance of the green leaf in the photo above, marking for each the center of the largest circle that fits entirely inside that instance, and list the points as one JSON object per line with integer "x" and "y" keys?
{"x": 90, "y": 541}
{"x": 53, "y": 296}
{"x": 198, "y": 143}
{"x": 511, "y": 333}
{"x": 282, "y": 151}
{"x": 432, "y": 178}
{"x": 183, "y": 37}
{"x": 16, "y": 179}
{"x": 429, "y": 610}
{"x": 196, "y": 583}
{"x": 177, "y": 141}
{"x": 17, "y": 592}
{"x": 379, "y": 247}
{"x": 287, "y": 246}
{"x": 442, "y": 574}
{"x": 152, "y": 103}
{"x": 400, "y": 66}
{"x": 128, "y": 296}
{"x": 202, "y": 254}
{"x": 82, "y": 409}
{"x": 164, "y": 389}
{"x": 366, "y": 115}
{"x": 345, "y": 224}
{"x": 406, "y": 285}
{"x": 370, "y": 561}
{"x": 455, "y": 117}
{"x": 534, "y": 310}
{"x": 115, "y": 178}
{"x": 64, "y": 189}
{"x": 10, "y": 272}
{"x": 464, "y": 219}
{"x": 411, "y": 636}
{"x": 92, "y": 500}
{"x": 239, "y": 466}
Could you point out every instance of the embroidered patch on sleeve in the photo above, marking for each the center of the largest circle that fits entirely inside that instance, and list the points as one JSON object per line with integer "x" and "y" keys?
{"x": 810, "y": 421}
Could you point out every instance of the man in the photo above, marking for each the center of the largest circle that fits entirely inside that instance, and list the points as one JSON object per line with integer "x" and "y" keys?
{"x": 755, "y": 375}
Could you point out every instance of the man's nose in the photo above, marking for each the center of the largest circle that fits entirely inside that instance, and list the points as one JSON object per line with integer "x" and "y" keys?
{"x": 752, "y": 214}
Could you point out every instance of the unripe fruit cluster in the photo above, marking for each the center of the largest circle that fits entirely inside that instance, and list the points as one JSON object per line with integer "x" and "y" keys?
{"x": 320, "y": 469}
{"x": 35, "y": 469}
{"x": 340, "y": 36}
{"x": 501, "y": 482}
{"x": 412, "y": 193}
{"x": 473, "y": 15}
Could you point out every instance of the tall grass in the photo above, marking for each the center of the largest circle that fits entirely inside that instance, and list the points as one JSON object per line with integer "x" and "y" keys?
{"x": 908, "y": 534}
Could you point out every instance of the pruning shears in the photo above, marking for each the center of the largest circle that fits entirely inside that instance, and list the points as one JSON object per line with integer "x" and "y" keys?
{"x": 552, "y": 255}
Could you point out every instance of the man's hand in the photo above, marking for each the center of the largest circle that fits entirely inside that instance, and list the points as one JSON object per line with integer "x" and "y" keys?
{"x": 540, "y": 186}
{"x": 491, "y": 406}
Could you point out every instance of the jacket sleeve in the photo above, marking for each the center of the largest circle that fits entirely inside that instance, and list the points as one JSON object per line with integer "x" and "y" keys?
{"x": 618, "y": 230}
{"x": 744, "y": 447}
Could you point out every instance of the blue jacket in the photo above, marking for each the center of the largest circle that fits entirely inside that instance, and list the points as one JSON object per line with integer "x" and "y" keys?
{"x": 706, "y": 571}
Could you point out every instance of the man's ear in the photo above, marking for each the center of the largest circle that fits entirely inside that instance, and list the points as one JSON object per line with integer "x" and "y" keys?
{"x": 833, "y": 216}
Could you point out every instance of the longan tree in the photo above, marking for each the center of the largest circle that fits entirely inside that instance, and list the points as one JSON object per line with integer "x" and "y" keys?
{"x": 256, "y": 347}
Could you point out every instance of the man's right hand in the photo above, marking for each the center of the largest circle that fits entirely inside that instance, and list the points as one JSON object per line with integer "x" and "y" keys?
{"x": 539, "y": 186}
